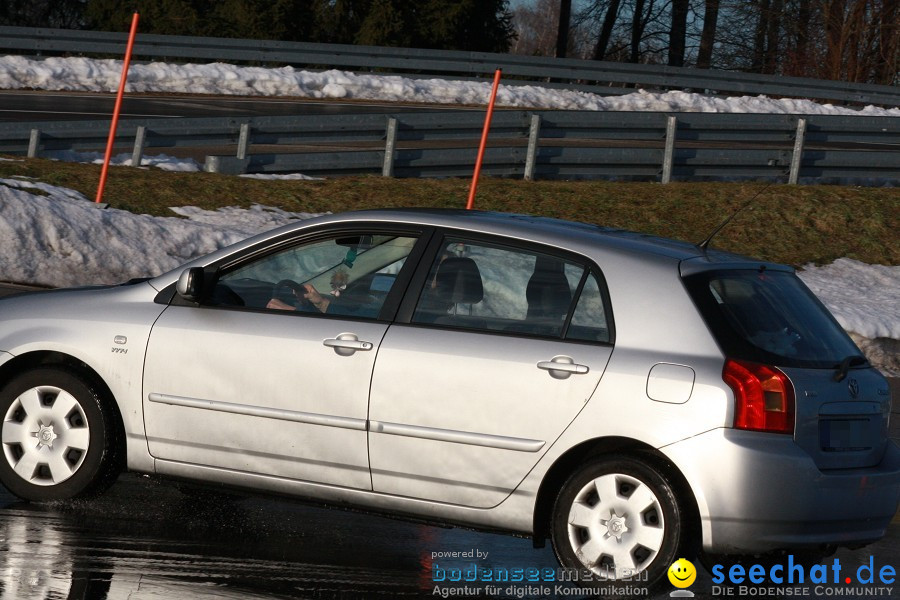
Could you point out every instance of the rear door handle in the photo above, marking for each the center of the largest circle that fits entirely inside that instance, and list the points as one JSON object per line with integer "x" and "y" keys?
{"x": 346, "y": 344}
{"x": 561, "y": 367}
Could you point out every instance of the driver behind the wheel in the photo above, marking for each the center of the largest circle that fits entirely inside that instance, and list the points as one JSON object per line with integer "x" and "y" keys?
{"x": 306, "y": 295}
{"x": 307, "y": 298}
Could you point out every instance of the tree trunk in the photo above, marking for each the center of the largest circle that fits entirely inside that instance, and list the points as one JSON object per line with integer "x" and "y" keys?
{"x": 562, "y": 32}
{"x": 637, "y": 29}
{"x": 773, "y": 29}
{"x": 803, "y": 16}
{"x": 856, "y": 67}
{"x": 833, "y": 13}
{"x": 678, "y": 32}
{"x": 799, "y": 62}
{"x": 759, "y": 40}
{"x": 888, "y": 43}
{"x": 609, "y": 21}
{"x": 708, "y": 36}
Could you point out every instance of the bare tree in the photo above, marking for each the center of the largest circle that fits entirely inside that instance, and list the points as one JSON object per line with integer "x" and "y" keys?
{"x": 537, "y": 28}
{"x": 678, "y": 32}
{"x": 759, "y": 39}
{"x": 774, "y": 20}
{"x": 708, "y": 36}
{"x": 609, "y": 21}
{"x": 639, "y": 18}
{"x": 888, "y": 54}
{"x": 849, "y": 41}
{"x": 562, "y": 31}
{"x": 797, "y": 59}
{"x": 626, "y": 30}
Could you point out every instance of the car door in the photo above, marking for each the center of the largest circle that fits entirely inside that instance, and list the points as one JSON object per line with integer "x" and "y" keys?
{"x": 255, "y": 379}
{"x": 504, "y": 346}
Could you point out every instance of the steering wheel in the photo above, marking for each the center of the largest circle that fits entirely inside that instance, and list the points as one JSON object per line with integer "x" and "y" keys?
{"x": 292, "y": 293}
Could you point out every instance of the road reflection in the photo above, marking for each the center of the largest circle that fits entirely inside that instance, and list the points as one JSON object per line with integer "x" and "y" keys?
{"x": 144, "y": 539}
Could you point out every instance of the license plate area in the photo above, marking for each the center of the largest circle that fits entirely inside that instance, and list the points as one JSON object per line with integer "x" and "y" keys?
{"x": 846, "y": 435}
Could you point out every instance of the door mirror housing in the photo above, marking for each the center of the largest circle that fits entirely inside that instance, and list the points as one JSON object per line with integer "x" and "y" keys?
{"x": 190, "y": 284}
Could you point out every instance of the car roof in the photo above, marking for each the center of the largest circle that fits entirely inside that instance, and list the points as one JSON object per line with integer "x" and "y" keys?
{"x": 582, "y": 238}
{"x": 547, "y": 230}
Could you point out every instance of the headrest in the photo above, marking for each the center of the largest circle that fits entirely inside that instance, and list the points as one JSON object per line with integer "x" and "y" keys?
{"x": 458, "y": 281}
{"x": 548, "y": 291}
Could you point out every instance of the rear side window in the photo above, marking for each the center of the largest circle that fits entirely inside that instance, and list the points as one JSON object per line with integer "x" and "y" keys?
{"x": 488, "y": 287}
{"x": 769, "y": 317}
{"x": 589, "y": 321}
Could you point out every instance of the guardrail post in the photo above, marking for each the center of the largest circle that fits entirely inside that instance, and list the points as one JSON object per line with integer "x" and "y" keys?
{"x": 34, "y": 143}
{"x": 534, "y": 132}
{"x": 226, "y": 165}
{"x": 797, "y": 156}
{"x": 243, "y": 141}
{"x": 390, "y": 142}
{"x": 669, "y": 153}
{"x": 137, "y": 154}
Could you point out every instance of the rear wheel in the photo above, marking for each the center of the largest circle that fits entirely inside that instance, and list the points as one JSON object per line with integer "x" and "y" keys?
{"x": 619, "y": 517}
{"x": 58, "y": 439}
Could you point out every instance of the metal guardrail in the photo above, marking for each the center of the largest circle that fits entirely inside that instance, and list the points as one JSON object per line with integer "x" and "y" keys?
{"x": 534, "y": 145}
{"x": 595, "y": 76}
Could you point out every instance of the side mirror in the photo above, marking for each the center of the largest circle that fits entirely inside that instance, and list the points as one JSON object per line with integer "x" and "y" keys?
{"x": 190, "y": 284}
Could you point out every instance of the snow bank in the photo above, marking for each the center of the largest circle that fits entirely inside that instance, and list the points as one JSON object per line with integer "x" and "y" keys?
{"x": 864, "y": 298}
{"x": 286, "y": 176}
{"x": 96, "y": 75}
{"x": 63, "y": 239}
{"x": 160, "y": 161}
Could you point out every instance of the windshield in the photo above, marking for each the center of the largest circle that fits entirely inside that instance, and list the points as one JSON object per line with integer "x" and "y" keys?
{"x": 769, "y": 317}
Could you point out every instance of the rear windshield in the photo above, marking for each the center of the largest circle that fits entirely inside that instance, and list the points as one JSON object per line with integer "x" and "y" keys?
{"x": 769, "y": 317}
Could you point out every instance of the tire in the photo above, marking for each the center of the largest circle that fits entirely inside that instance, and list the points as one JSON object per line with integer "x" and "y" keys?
{"x": 620, "y": 518}
{"x": 58, "y": 440}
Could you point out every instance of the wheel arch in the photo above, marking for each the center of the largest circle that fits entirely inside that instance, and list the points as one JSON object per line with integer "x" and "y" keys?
{"x": 48, "y": 358}
{"x": 578, "y": 455}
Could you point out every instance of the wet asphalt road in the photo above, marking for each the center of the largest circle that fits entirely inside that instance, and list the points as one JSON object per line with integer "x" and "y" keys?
{"x": 147, "y": 539}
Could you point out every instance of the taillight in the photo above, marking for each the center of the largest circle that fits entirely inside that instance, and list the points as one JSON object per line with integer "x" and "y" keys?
{"x": 763, "y": 397}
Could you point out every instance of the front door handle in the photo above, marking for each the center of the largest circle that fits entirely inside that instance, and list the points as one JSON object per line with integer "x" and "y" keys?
{"x": 561, "y": 367}
{"x": 346, "y": 344}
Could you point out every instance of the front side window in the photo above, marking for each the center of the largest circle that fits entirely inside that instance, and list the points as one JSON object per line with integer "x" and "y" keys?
{"x": 349, "y": 275}
{"x": 475, "y": 285}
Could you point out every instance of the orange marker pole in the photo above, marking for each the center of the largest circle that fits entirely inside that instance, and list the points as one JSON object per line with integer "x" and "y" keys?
{"x": 484, "y": 134}
{"x": 117, "y": 109}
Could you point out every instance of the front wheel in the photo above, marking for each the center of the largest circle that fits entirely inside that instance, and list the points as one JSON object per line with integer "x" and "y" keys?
{"x": 619, "y": 517}
{"x": 57, "y": 438}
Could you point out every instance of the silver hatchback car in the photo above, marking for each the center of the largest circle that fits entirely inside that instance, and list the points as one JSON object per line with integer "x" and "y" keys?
{"x": 631, "y": 398}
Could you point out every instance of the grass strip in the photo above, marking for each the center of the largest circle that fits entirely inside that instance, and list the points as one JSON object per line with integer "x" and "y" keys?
{"x": 789, "y": 224}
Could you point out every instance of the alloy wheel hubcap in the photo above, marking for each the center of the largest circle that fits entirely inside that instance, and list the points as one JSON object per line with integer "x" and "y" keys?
{"x": 616, "y": 525}
{"x": 45, "y": 435}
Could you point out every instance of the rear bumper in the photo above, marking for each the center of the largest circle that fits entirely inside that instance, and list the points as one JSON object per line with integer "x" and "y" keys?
{"x": 758, "y": 492}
